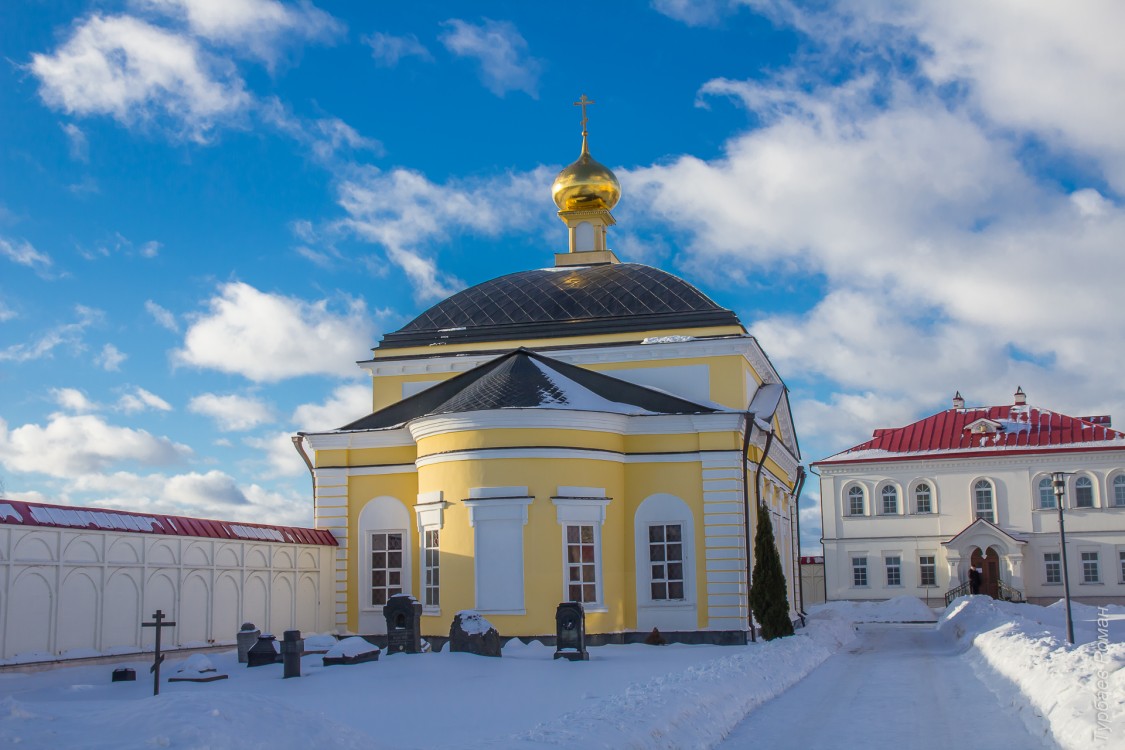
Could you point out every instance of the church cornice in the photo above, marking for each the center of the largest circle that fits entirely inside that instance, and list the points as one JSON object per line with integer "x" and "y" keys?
{"x": 564, "y": 419}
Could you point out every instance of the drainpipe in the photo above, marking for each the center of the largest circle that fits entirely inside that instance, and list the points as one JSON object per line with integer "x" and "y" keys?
{"x": 748, "y": 421}
{"x": 758, "y": 498}
{"x": 299, "y": 444}
{"x": 801, "y": 475}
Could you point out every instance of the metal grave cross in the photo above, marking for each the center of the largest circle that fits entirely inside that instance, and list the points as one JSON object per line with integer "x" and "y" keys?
{"x": 158, "y": 623}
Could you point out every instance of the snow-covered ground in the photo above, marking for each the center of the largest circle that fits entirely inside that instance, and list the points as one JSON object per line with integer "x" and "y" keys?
{"x": 624, "y": 697}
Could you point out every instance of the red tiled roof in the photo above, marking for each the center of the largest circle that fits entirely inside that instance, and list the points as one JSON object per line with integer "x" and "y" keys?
{"x": 1021, "y": 429}
{"x": 103, "y": 519}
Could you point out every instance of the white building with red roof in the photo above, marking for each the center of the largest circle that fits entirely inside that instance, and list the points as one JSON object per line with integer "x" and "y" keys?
{"x": 914, "y": 508}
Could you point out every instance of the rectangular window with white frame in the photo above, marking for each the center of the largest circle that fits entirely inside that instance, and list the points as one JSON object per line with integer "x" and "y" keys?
{"x": 666, "y": 556}
{"x": 894, "y": 570}
{"x": 927, "y": 569}
{"x": 580, "y": 512}
{"x": 581, "y": 564}
{"x": 1090, "y": 572}
{"x": 859, "y": 572}
{"x": 1052, "y": 563}
{"x": 430, "y": 568}
{"x": 386, "y": 566}
{"x": 923, "y": 499}
{"x": 1121, "y": 563}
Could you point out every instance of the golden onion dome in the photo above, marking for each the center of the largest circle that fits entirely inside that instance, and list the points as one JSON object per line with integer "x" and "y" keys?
{"x": 586, "y": 184}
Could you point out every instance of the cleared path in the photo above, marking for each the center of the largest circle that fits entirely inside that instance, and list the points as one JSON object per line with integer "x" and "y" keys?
{"x": 898, "y": 686}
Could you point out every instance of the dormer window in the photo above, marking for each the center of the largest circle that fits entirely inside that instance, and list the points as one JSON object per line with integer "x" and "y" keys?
{"x": 984, "y": 426}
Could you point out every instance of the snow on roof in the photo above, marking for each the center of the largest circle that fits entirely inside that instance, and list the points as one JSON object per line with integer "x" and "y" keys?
{"x": 1019, "y": 429}
{"x": 62, "y": 516}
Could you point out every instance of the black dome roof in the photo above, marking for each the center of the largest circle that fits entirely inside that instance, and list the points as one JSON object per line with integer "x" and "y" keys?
{"x": 566, "y": 301}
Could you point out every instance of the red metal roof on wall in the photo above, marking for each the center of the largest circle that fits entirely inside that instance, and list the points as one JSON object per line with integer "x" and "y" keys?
{"x": 104, "y": 519}
{"x": 1022, "y": 429}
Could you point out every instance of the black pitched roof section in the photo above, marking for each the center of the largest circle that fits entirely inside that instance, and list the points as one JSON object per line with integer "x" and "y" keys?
{"x": 511, "y": 381}
{"x": 610, "y": 298}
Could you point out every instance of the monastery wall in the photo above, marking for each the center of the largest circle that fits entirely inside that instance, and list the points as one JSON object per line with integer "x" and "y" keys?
{"x": 68, "y": 593}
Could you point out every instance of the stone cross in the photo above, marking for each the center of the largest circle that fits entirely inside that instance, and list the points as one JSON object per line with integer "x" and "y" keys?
{"x": 158, "y": 623}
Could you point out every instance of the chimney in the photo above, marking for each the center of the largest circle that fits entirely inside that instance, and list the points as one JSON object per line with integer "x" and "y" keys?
{"x": 1021, "y": 397}
{"x": 958, "y": 401}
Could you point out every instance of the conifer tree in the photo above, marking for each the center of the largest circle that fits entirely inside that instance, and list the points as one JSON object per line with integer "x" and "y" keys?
{"x": 768, "y": 598}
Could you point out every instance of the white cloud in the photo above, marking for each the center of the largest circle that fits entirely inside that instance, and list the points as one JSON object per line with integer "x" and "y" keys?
{"x": 258, "y": 27}
{"x": 74, "y": 445}
{"x": 23, "y": 253}
{"x": 79, "y": 146}
{"x": 73, "y": 400}
{"x": 346, "y": 403}
{"x": 163, "y": 317}
{"x": 404, "y": 212}
{"x": 139, "y": 74}
{"x": 232, "y": 412}
{"x": 500, "y": 50}
{"x": 6, "y": 313}
{"x": 213, "y": 494}
{"x": 269, "y": 337}
{"x": 388, "y": 50}
{"x": 110, "y": 358}
{"x": 150, "y": 249}
{"x": 329, "y": 139}
{"x": 68, "y": 334}
{"x": 694, "y": 12}
{"x": 139, "y": 400}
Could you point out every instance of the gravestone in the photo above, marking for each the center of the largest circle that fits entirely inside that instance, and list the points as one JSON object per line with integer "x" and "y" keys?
{"x": 124, "y": 674}
{"x": 472, "y": 634}
{"x": 262, "y": 652}
{"x": 246, "y": 639}
{"x": 570, "y": 632}
{"x": 404, "y": 624}
{"x": 197, "y": 668}
{"x": 291, "y": 648}
{"x": 353, "y": 650}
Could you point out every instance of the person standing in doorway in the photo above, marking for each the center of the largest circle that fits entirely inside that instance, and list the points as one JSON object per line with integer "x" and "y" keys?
{"x": 974, "y": 581}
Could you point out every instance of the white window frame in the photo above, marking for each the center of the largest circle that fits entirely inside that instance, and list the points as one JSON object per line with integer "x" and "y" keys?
{"x": 1052, "y": 568}
{"x": 403, "y": 568}
{"x": 855, "y": 491}
{"x": 583, "y": 506}
{"x": 1117, "y": 488}
{"x": 1045, "y": 500}
{"x": 673, "y": 614}
{"x": 929, "y": 493}
{"x": 894, "y": 567}
{"x": 1121, "y": 565}
{"x": 978, "y": 486}
{"x": 667, "y": 580}
{"x": 429, "y": 512}
{"x": 888, "y": 491}
{"x": 1088, "y": 485}
{"x": 858, "y": 566}
{"x": 922, "y": 569}
{"x": 1088, "y": 556}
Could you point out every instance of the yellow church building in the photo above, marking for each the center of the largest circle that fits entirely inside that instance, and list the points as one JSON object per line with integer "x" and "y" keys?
{"x": 594, "y": 431}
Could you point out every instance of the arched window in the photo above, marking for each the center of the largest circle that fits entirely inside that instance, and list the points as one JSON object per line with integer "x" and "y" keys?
{"x": 1119, "y": 491}
{"x": 855, "y": 501}
{"x": 923, "y": 499}
{"x": 1046, "y": 493}
{"x": 890, "y": 501}
{"x": 982, "y": 494}
{"x": 1083, "y": 493}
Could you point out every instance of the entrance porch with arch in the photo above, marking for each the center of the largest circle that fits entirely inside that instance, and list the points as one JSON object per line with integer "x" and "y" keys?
{"x": 998, "y": 553}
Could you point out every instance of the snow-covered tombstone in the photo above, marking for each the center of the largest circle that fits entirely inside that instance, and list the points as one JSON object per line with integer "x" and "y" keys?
{"x": 353, "y": 650}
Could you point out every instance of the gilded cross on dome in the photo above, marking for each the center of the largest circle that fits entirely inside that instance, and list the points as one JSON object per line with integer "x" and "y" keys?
{"x": 583, "y": 102}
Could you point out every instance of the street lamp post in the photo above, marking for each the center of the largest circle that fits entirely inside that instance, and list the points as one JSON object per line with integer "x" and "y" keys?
{"x": 1058, "y": 480}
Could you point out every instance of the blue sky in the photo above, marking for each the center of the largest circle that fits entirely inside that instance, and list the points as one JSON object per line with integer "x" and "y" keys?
{"x": 209, "y": 209}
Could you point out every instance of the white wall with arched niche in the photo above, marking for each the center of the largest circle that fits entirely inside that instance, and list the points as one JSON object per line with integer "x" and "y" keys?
{"x": 664, "y": 530}
{"x": 67, "y": 593}
{"x": 384, "y": 559}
